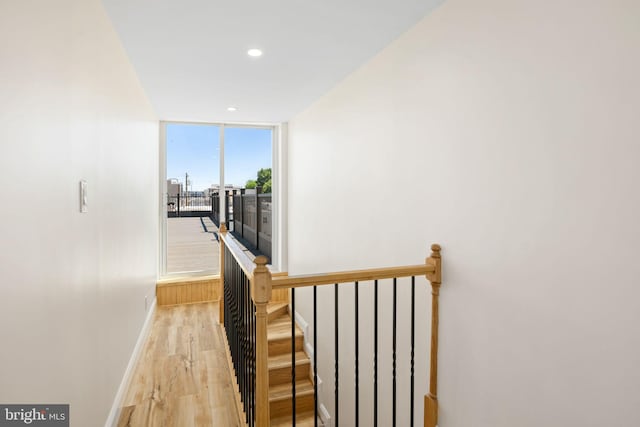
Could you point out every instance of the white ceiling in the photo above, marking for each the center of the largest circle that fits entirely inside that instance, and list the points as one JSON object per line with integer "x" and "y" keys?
{"x": 190, "y": 55}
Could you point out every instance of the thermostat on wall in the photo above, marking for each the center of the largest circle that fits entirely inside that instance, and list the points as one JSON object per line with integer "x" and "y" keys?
{"x": 83, "y": 196}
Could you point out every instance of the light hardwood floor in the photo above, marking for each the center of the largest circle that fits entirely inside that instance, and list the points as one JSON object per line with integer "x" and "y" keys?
{"x": 182, "y": 378}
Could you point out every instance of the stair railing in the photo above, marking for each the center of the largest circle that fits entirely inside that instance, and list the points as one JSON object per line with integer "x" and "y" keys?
{"x": 243, "y": 312}
{"x": 248, "y": 288}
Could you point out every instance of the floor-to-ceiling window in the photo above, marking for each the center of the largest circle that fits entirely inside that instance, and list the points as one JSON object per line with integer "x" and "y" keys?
{"x": 192, "y": 179}
{"x": 214, "y": 173}
{"x": 248, "y": 172}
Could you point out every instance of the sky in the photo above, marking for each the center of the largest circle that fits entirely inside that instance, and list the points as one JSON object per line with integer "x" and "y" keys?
{"x": 195, "y": 149}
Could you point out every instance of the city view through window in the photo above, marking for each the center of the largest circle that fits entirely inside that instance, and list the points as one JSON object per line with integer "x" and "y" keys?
{"x": 193, "y": 193}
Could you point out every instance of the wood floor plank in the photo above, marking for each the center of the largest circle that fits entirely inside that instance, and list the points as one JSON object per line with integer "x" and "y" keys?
{"x": 182, "y": 377}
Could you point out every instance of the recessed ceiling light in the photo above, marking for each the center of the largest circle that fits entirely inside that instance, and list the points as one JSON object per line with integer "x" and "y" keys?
{"x": 254, "y": 52}
{"x": 232, "y": 109}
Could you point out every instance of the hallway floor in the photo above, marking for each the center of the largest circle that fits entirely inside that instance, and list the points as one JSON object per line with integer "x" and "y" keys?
{"x": 182, "y": 378}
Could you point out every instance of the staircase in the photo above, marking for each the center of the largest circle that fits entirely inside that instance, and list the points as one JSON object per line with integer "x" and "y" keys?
{"x": 280, "y": 396}
{"x": 251, "y": 285}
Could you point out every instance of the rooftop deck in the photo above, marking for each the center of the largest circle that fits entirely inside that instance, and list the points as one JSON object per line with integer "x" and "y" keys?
{"x": 192, "y": 245}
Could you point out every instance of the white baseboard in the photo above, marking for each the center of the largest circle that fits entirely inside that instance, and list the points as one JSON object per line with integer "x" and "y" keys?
{"x": 325, "y": 418}
{"x": 323, "y": 414}
{"x": 114, "y": 413}
{"x": 302, "y": 324}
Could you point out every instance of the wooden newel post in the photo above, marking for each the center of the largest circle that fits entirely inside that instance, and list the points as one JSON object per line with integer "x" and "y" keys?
{"x": 261, "y": 294}
{"x": 435, "y": 277}
{"x": 222, "y": 230}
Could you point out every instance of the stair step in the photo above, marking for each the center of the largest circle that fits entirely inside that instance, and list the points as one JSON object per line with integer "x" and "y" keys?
{"x": 279, "y": 336}
{"x": 281, "y": 328}
{"x": 304, "y": 419}
{"x": 275, "y": 310}
{"x": 283, "y": 391}
{"x": 281, "y": 401}
{"x": 280, "y": 368}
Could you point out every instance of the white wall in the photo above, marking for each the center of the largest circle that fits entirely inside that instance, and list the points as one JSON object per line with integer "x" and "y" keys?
{"x": 508, "y": 132}
{"x": 72, "y": 285}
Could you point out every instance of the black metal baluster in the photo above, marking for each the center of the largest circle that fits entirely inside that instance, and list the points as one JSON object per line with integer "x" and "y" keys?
{"x": 253, "y": 360}
{"x": 413, "y": 341}
{"x": 242, "y": 361}
{"x": 234, "y": 306}
{"x": 395, "y": 303}
{"x": 357, "y": 354}
{"x": 252, "y": 357}
{"x": 243, "y": 344}
{"x": 225, "y": 286}
{"x": 336, "y": 385}
{"x": 229, "y": 316}
{"x": 249, "y": 351}
{"x": 245, "y": 361}
{"x": 247, "y": 366}
{"x": 315, "y": 357}
{"x": 249, "y": 355}
{"x": 375, "y": 354}
{"x": 245, "y": 333}
{"x": 238, "y": 299}
{"x": 240, "y": 368}
{"x": 237, "y": 316}
{"x": 232, "y": 317}
{"x": 293, "y": 356}
{"x": 243, "y": 323}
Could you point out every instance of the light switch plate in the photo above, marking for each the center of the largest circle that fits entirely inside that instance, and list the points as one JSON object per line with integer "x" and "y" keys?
{"x": 83, "y": 196}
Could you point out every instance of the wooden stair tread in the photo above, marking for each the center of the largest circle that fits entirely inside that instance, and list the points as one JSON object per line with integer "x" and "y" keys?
{"x": 275, "y": 310}
{"x": 283, "y": 391}
{"x": 275, "y": 306}
{"x": 283, "y": 360}
{"x": 304, "y": 419}
{"x": 280, "y": 328}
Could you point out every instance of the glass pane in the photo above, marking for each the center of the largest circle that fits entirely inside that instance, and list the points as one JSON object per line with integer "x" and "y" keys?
{"x": 247, "y": 170}
{"x": 193, "y": 177}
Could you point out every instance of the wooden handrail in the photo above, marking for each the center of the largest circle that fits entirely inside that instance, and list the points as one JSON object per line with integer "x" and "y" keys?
{"x": 238, "y": 253}
{"x": 351, "y": 276}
